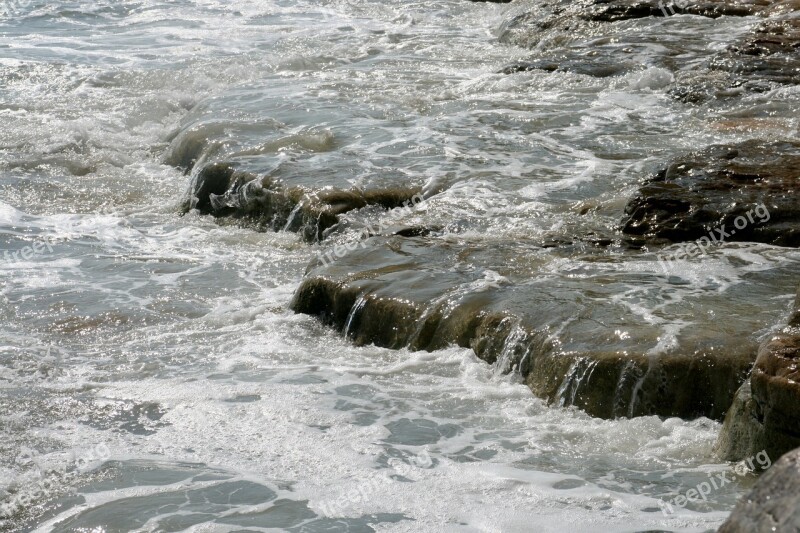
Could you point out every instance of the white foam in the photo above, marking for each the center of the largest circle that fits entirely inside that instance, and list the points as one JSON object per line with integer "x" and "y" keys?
{"x": 150, "y": 309}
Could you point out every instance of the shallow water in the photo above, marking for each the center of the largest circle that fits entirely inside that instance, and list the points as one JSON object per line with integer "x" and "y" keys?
{"x": 154, "y": 356}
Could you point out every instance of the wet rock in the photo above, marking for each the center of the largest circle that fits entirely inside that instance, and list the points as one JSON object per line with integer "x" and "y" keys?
{"x": 514, "y": 308}
{"x": 588, "y": 66}
{"x": 762, "y": 60}
{"x": 776, "y": 391}
{"x": 580, "y": 37}
{"x": 794, "y": 320}
{"x": 766, "y": 414}
{"x": 565, "y": 17}
{"x": 743, "y": 192}
{"x": 561, "y": 32}
{"x": 774, "y": 503}
{"x": 603, "y": 11}
{"x": 771, "y": 53}
{"x": 742, "y": 434}
{"x": 223, "y": 191}
{"x": 213, "y": 180}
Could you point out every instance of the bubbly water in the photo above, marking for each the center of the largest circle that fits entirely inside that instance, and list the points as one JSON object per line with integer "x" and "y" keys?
{"x": 152, "y": 377}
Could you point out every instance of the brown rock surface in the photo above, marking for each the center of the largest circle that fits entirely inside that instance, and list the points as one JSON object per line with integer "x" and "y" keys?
{"x": 570, "y": 346}
{"x": 766, "y": 414}
{"x": 713, "y": 190}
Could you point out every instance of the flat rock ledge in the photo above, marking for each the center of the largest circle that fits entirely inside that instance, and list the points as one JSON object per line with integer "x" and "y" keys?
{"x": 743, "y": 192}
{"x": 773, "y": 506}
{"x": 766, "y": 412}
{"x": 572, "y": 347}
{"x": 223, "y": 191}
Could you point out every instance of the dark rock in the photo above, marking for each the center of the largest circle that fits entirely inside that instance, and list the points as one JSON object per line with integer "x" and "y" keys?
{"x": 212, "y": 181}
{"x": 770, "y": 54}
{"x": 721, "y": 188}
{"x": 221, "y": 190}
{"x": 576, "y": 65}
{"x": 579, "y": 37}
{"x": 774, "y": 503}
{"x": 570, "y": 346}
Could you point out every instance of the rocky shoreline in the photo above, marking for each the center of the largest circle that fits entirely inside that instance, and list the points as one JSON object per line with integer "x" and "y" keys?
{"x": 421, "y": 288}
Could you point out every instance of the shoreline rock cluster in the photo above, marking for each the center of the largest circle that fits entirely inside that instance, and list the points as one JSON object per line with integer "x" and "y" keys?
{"x": 716, "y": 186}
{"x": 391, "y": 292}
{"x": 422, "y": 290}
{"x": 387, "y": 294}
{"x": 368, "y": 296}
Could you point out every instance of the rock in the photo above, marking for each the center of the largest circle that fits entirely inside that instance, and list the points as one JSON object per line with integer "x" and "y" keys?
{"x": 580, "y": 37}
{"x": 765, "y": 58}
{"x": 766, "y": 413}
{"x": 794, "y": 320}
{"x": 221, "y": 190}
{"x": 562, "y": 32}
{"x": 774, "y": 503}
{"x": 580, "y": 64}
{"x": 564, "y": 17}
{"x": 510, "y": 303}
{"x": 742, "y": 434}
{"x": 743, "y": 192}
{"x": 212, "y": 181}
{"x": 776, "y": 391}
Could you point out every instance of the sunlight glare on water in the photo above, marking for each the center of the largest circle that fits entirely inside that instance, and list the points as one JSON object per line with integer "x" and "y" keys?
{"x": 167, "y": 339}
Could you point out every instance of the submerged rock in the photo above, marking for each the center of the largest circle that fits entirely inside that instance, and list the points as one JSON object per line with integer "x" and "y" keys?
{"x": 561, "y": 32}
{"x": 774, "y": 503}
{"x": 765, "y": 58}
{"x": 766, "y": 414}
{"x": 221, "y": 190}
{"x": 564, "y": 17}
{"x": 743, "y": 192}
{"x": 515, "y": 308}
{"x": 580, "y": 64}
